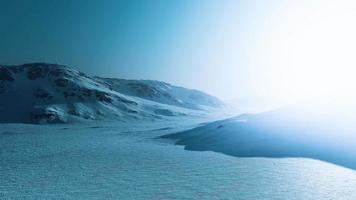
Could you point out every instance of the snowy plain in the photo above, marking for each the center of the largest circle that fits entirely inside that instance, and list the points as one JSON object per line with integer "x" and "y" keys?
{"x": 110, "y": 160}
{"x": 75, "y": 153}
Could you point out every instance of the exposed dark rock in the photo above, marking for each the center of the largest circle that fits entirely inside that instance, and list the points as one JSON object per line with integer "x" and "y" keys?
{"x": 86, "y": 92}
{"x": 45, "y": 117}
{"x": 80, "y": 97}
{"x": 57, "y": 72}
{"x": 103, "y": 96}
{"x": 61, "y": 82}
{"x": 72, "y": 110}
{"x": 84, "y": 75}
{"x": 45, "y": 71}
{"x": 67, "y": 94}
{"x": 126, "y": 101}
{"x": 132, "y": 111}
{"x": 144, "y": 90}
{"x": 5, "y": 75}
{"x": 34, "y": 72}
{"x": 2, "y": 87}
{"x": 166, "y": 95}
{"x": 49, "y": 89}
{"x": 42, "y": 94}
{"x": 164, "y": 112}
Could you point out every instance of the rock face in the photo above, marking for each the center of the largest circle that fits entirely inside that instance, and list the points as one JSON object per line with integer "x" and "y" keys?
{"x": 5, "y": 75}
{"x": 51, "y": 93}
{"x": 36, "y": 71}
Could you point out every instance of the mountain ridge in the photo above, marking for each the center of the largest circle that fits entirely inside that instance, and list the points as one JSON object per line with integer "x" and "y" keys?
{"x": 53, "y": 93}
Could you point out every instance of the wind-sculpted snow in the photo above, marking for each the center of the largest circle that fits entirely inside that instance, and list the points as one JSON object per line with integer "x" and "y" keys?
{"x": 296, "y": 131}
{"x": 51, "y": 93}
{"x": 123, "y": 162}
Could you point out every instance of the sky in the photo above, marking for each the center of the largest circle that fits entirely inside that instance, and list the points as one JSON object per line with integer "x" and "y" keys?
{"x": 233, "y": 49}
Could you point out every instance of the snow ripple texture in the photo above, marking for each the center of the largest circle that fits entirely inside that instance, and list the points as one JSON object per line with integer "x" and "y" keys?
{"x": 94, "y": 162}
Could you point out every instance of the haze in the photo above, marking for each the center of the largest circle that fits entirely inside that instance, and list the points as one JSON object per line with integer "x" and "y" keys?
{"x": 277, "y": 50}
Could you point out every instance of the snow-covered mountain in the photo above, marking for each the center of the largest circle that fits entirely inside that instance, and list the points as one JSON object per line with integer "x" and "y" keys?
{"x": 164, "y": 93}
{"x": 41, "y": 93}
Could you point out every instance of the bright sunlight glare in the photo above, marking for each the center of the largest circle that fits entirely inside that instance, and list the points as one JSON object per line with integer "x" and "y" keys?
{"x": 309, "y": 50}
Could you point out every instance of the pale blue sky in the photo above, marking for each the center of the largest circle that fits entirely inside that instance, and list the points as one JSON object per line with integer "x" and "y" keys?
{"x": 198, "y": 44}
{"x": 229, "y": 48}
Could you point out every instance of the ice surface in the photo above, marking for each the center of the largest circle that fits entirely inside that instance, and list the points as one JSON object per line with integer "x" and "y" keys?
{"x": 121, "y": 161}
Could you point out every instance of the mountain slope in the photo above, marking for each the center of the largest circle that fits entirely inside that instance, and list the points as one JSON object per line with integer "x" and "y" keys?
{"x": 50, "y": 93}
{"x": 164, "y": 93}
{"x": 319, "y": 131}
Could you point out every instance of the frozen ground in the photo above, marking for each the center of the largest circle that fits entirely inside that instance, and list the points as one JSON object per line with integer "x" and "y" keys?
{"x": 110, "y": 161}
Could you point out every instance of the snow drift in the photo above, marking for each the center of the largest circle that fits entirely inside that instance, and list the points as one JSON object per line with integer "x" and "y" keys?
{"x": 320, "y": 132}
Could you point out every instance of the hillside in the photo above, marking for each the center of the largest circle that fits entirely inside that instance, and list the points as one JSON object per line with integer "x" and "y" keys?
{"x": 164, "y": 93}
{"x": 324, "y": 132}
{"x": 51, "y": 93}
